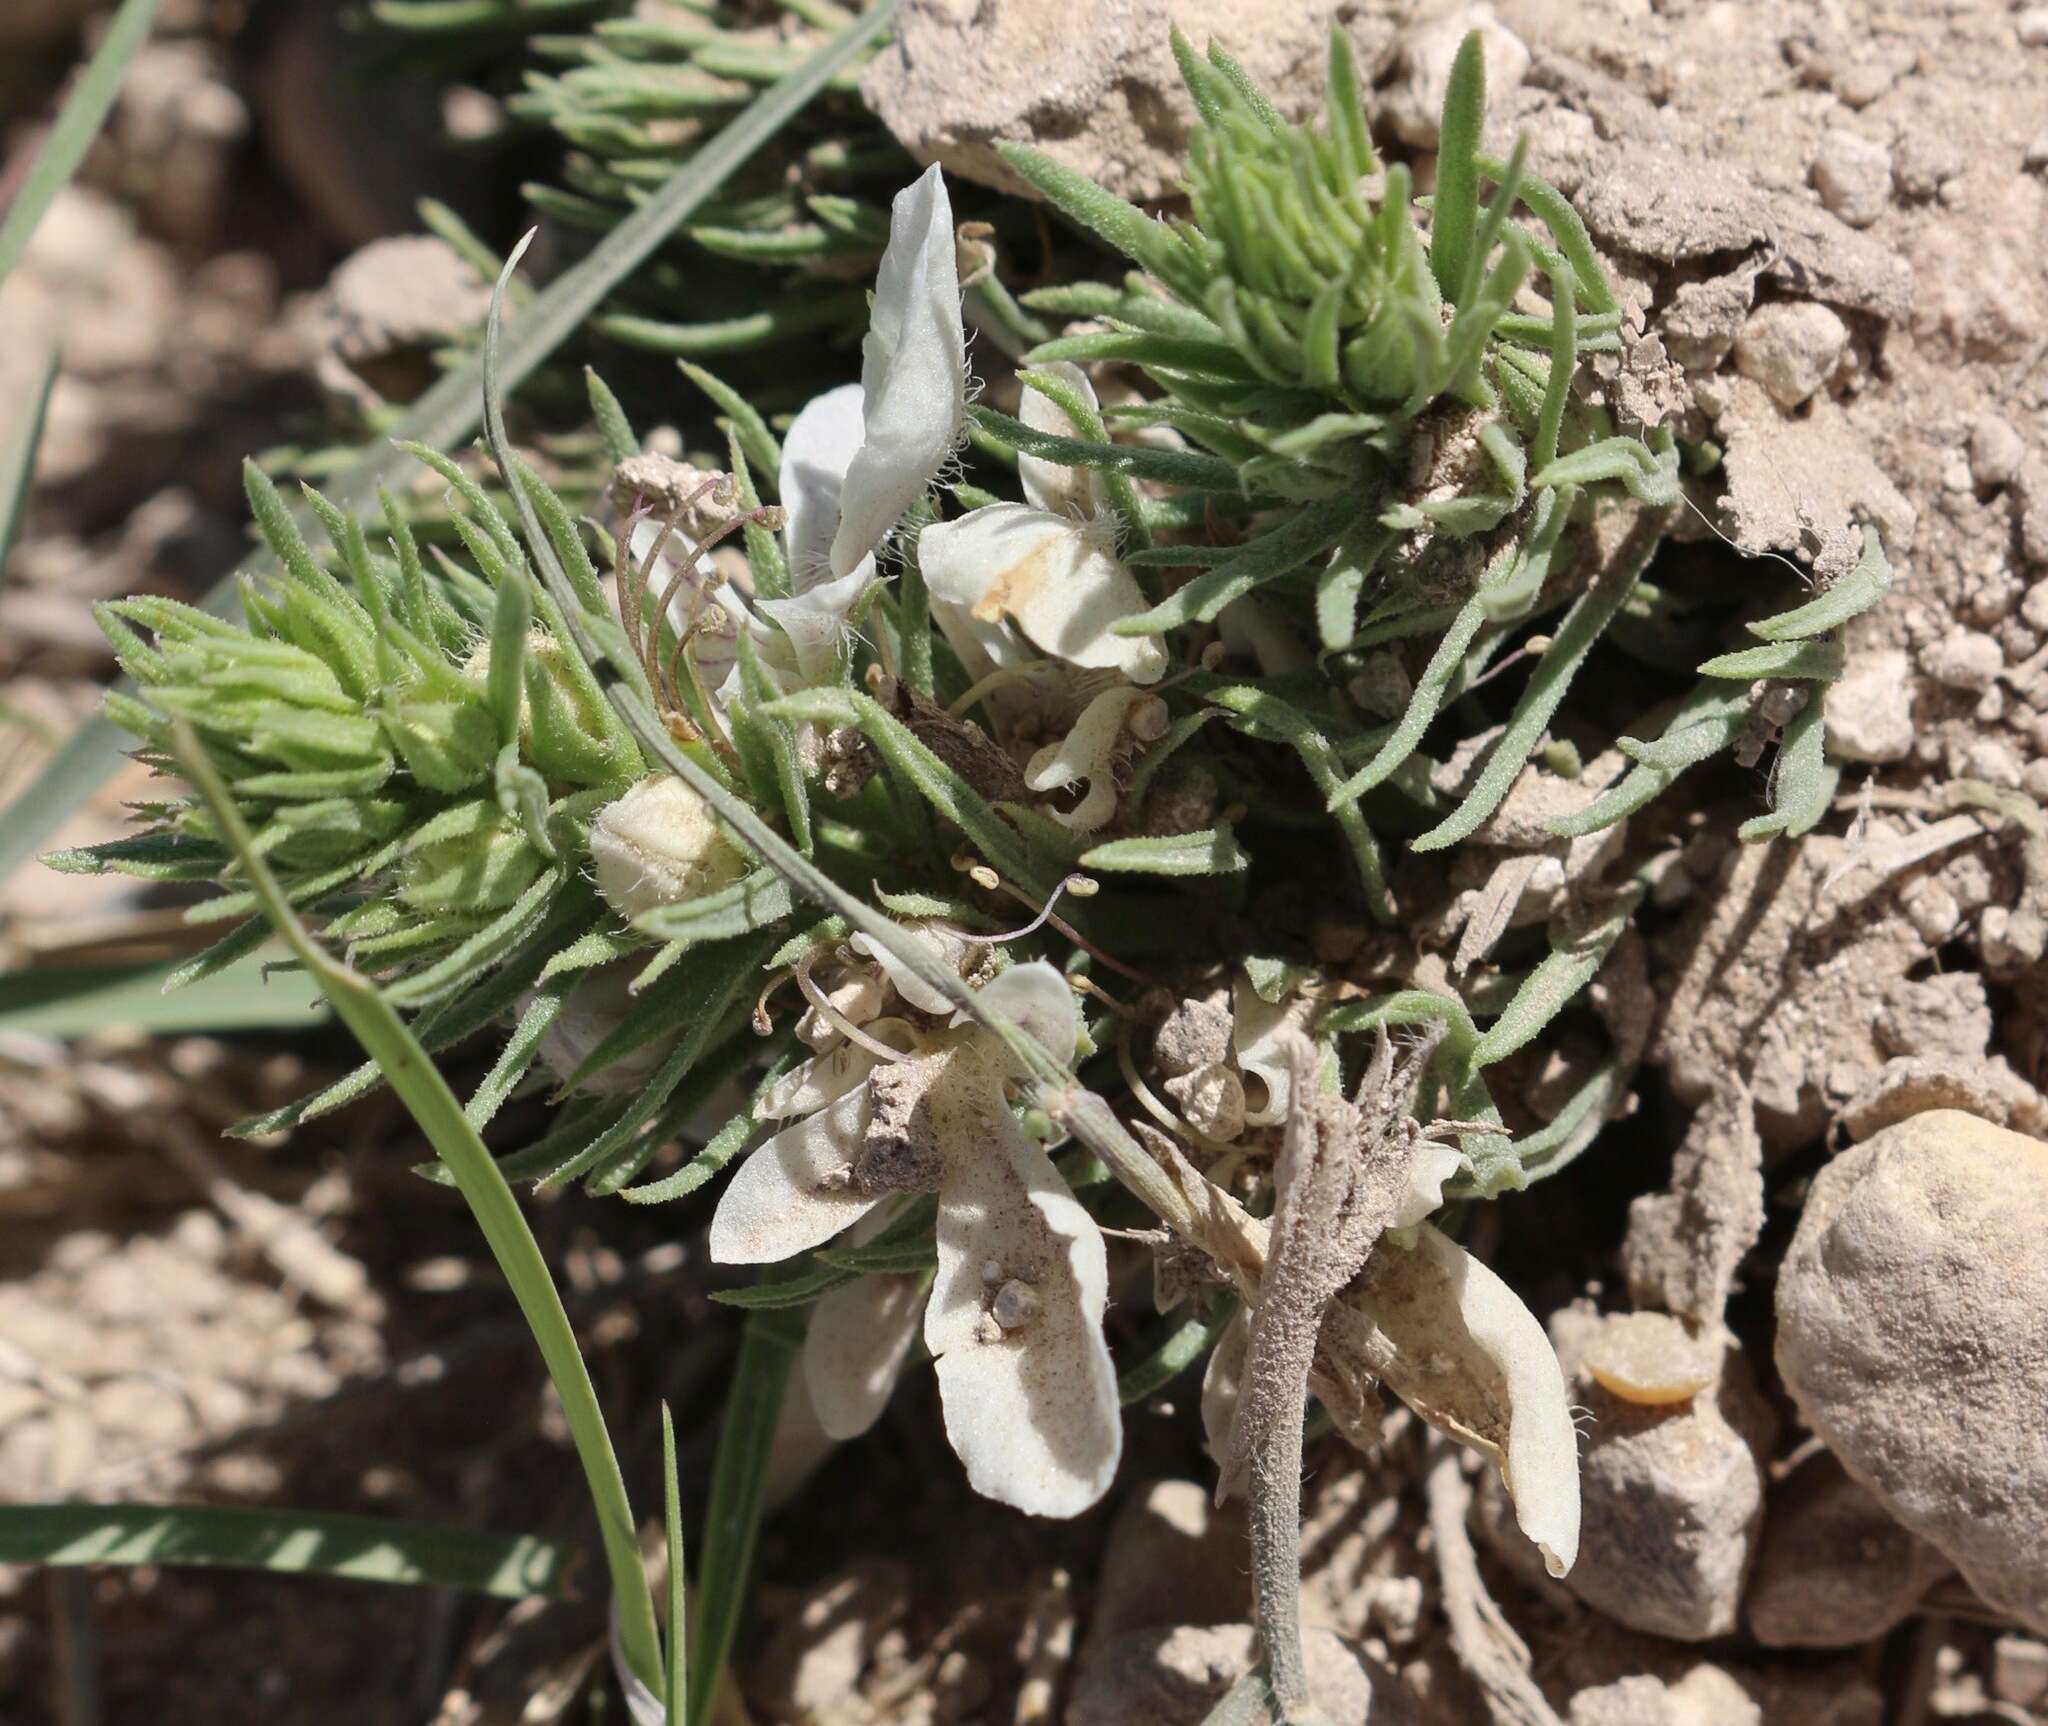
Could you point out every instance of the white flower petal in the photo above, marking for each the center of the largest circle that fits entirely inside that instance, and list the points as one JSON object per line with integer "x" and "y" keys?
{"x": 1260, "y": 1036}
{"x": 1223, "y": 1386}
{"x": 1015, "y": 1316}
{"x": 1432, "y": 1165}
{"x": 815, "y": 620}
{"x": 856, "y": 1343}
{"x": 817, "y": 450}
{"x": 1038, "y": 1001}
{"x": 1059, "y": 579}
{"x": 946, "y": 953}
{"x": 817, "y": 1083}
{"x": 1047, "y": 485}
{"x": 1088, "y": 752}
{"x": 913, "y": 373}
{"x": 786, "y": 1197}
{"x": 1470, "y": 1358}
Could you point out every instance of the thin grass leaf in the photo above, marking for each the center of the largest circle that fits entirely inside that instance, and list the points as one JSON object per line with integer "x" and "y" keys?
{"x": 85, "y": 112}
{"x": 1279, "y": 552}
{"x": 385, "y": 1036}
{"x": 285, "y": 1542}
{"x": 1133, "y": 461}
{"x": 1816, "y": 659}
{"x": 18, "y": 459}
{"x": 1710, "y": 720}
{"x": 86, "y": 1000}
{"x": 676, "y": 1637}
{"x": 448, "y": 412}
{"x": 732, "y": 1520}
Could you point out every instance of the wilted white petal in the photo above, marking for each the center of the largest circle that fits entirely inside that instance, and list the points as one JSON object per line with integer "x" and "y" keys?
{"x": 792, "y": 1194}
{"x": 817, "y": 1083}
{"x": 1260, "y": 1036}
{"x": 1223, "y": 1386}
{"x": 1039, "y": 1002}
{"x": 817, "y": 450}
{"x": 913, "y": 373}
{"x": 816, "y": 620}
{"x": 946, "y": 952}
{"x": 1047, "y": 485}
{"x": 855, "y": 1344}
{"x": 1432, "y": 1165}
{"x": 1015, "y": 1316}
{"x": 1090, "y": 752}
{"x": 1059, "y": 579}
{"x": 1461, "y": 1350}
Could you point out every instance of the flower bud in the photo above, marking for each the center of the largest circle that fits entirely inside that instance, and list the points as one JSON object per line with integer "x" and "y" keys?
{"x": 660, "y": 845}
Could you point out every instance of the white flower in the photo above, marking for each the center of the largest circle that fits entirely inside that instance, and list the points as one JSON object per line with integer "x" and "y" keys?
{"x": 1014, "y": 1319}
{"x": 1112, "y": 725}
{"x": 913, "y": 373}
{"x": 858, "y": 456}
{"x": 1052, "y": 571}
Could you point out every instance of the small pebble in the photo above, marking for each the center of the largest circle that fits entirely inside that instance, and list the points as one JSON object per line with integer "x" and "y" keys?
{"x": 2036, "y": 157}
{"x": 2019, "y": 1670}
{"x": 1790, "y": 347}
{"x": 1853, "y": 176}
{"x": 2032, "y": 25}
{"x": 1964, "y": 659}
{"x": 1995, "y": 452}
{"x": 1651, "y": 1359}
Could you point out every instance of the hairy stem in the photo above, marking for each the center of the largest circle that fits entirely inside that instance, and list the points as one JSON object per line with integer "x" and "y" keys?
{"x": 1273, "y": 1486}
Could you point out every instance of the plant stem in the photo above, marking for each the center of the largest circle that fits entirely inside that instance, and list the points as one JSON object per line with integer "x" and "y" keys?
{"x": 1273, "y": 1488}
{"x": 388, "y": 1041}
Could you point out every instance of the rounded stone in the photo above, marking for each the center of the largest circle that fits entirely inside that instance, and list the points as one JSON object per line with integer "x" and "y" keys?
{"x": 1790, "y": 347}
{"x": 1910, "y": 1334}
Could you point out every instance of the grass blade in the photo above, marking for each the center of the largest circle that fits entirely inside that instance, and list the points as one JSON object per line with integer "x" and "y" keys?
{"x": 388, "y": 1041}
{"x": 79, "y": 1000}
{"x": 672, "y": 1511}
{"x": 85, "y": 111}
{"x": 739, "y": 1483}
{"x": 18, "y": 461}
{"x": 289, "y": 1542}
{"x": 449, "y": 411}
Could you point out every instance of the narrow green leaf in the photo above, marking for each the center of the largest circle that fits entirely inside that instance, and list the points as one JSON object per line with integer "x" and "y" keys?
{"x": 1457, "y": 174}
{"x": 1212, "y": 851}
{"x": 739, "y": 1484}
{"x": 285, "y": 1542}
{"x": 1134, "y": 461}
{"x": 388, "y": 1041}
{"x": 18, "y": 459}
{"x": 1856, "y": 592}
{"x": 85, "y": 111}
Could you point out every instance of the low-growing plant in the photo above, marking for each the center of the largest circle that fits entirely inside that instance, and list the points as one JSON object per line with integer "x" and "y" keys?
{"x": 964, "y": 818}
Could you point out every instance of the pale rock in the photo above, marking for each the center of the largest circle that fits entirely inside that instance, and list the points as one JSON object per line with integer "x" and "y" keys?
{"x": 1994, "y": 762}
{"x": 2036, "y": 156}
{"x": 1834, "y": 1569}
{"x": 385, "y": 309}
{"x": 2032, "y": 26}
{"x": 1094, "y": 86}
{"x": 2032, "y": 482}
{"x": 1924, "y": 161}
{"x": 1869, "y": 708}
{"x": 1672, "y": 1496}
{"x": 1909, "y": 1334}
{"x": 2019, "y": 1671}
{"x": 2034, "y": 607}
{"x": 1414, "y": 106}
{"x": 1700, "y": 324}
{"x": 1853, "y": 175}
{"x": 1996, "y": 452}
{"x": 1790, "y": 347}
{"x": 1704, "y": 1696}
{"x": 1174, "y": 1677}
{"x": 1964, "y": 659}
